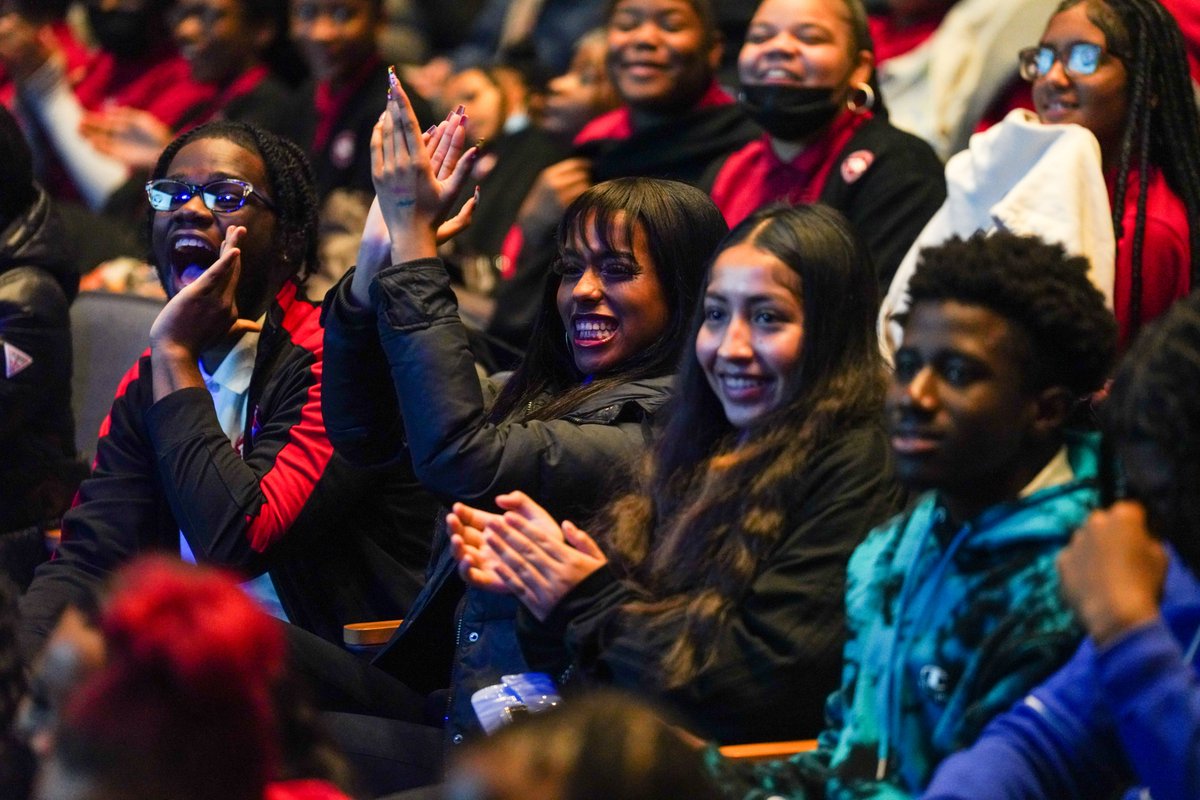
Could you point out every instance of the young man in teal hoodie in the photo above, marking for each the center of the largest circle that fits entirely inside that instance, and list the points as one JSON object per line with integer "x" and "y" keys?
{"x": 953, "y": 606}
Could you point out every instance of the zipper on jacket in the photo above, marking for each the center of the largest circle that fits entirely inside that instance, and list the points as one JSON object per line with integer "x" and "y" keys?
{"x": 458, "y": 626}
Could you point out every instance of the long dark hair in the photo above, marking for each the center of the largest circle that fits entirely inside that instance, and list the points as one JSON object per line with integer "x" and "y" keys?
{"x": 715, "y": 499}
{"x": 681, "y": 226}
{"x": 1162, "y": 129}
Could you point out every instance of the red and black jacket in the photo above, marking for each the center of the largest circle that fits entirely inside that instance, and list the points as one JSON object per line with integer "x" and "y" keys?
{"x": 342, "y": 543}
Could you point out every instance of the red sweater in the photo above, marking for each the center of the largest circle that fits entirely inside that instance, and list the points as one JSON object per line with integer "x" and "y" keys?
{"x": 754, "y": 176}
{"x": 1166, "y": 254}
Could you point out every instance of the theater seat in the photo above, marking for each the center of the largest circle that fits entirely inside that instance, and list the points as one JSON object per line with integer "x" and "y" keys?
{"x": 109, "y": 331}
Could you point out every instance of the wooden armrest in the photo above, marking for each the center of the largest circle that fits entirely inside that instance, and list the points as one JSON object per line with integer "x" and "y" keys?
{"x": 369, "y": 634}
{"x": 763, "y": 751}
{"x": 53, "y": 538}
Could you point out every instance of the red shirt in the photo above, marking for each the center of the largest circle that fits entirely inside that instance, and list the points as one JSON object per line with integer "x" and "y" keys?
{"x": 892, "y": 40}
{"x": 1166, "y": 251}
{"x": 1187, "y": 14}
{"x": 754, "y": 176}
{"x": 160, "y": 82}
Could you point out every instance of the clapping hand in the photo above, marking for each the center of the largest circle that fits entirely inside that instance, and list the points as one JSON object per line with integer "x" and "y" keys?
{"x": 524, "y": 551}
{"x": 417, "y": 176}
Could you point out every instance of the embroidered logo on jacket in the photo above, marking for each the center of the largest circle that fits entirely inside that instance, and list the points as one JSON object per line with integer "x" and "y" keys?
{"x": 935, "y": 682}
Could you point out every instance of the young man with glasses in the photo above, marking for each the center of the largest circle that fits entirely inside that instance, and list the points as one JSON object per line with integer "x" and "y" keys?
{"x": 215, "y": 447}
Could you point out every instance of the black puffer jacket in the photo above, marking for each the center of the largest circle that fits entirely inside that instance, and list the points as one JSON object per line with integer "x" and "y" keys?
{"x": 38, "y": 473}
{"x": 377, "y": 410}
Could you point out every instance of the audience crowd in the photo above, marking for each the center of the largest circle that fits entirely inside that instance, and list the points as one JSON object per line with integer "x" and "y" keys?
{"x": 563, "y": 399}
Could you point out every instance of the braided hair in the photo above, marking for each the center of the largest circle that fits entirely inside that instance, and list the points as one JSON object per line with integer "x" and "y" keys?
{"x": 1162, "y": 128}
{"x": 290, "y": 178}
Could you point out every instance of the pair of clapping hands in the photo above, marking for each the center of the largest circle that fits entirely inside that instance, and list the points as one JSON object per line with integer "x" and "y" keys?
{"x": 417, "y": 176}
{"x": 521, "y": 551}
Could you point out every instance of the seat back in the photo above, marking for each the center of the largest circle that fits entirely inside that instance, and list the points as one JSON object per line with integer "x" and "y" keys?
{"x": 109, "y": 331}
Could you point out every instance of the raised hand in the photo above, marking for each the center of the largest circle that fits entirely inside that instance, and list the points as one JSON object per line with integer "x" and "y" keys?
{"x": 201, "y": 316}
{"x": 415, "y": 194}
{"x": 476, "y": 561}
{"x": 417, "y": 176}
{"x": 1113, "y": 571}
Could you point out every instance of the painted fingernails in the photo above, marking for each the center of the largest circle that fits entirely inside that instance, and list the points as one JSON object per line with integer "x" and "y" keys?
{"x": 461, "y": 110}
{"x": 432, "y": 128}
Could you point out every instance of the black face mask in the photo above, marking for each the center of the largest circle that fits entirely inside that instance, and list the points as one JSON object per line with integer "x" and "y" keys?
{"x": 122, "y": 33}
{"x": 791, "y": 113}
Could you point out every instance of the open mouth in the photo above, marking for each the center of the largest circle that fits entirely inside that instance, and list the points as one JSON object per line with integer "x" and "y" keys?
{"x": 593, "y": 331}
{"x": 190, "y": 257}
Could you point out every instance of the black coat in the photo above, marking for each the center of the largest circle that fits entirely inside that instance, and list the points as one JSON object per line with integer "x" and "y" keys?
{"x": 401, "y": 384}
{"x": 778, "y": 654}
{"x": 38, "y": 473}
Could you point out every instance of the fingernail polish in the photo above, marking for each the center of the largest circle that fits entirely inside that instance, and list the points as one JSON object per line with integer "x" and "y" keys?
{"x": 461, "y": 110}
{"x": 432, "y": 128}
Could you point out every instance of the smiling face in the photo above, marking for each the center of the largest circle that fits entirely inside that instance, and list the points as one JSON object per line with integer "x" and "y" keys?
{"x": 960, "y": 418}
{"x": 610, "y": 299}
{"x": 335, "y": 36}
{"x": 750, "y": 342}
{"x": 215, "y": 38}
{"x": 806, "y": 43}
{"x": 659, "y": 57}
{"x": 186, "y": 241}
{"x": 1098, "y": 102}
{"x": 581, "y": 93}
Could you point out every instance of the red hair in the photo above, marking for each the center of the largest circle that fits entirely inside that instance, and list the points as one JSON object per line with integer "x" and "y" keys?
{"x": 184, "y": 705}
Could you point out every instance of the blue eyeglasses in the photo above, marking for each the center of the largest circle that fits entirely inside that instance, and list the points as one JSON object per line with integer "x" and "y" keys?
{"x": 1081, "y": 58}
{"x": 223, "y": 197}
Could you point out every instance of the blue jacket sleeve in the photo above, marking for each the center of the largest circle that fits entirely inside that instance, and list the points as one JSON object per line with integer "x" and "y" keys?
{"x": 1155, "y": 701}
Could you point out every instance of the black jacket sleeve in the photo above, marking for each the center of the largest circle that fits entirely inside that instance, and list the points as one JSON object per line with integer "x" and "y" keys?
{"x": 456, "y": 452}
{"x": 115, "y": 516}
{"x": 776, "y": 657}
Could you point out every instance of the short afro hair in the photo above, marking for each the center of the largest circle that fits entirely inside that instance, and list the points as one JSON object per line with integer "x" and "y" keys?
{"x": 1038, "y": 287}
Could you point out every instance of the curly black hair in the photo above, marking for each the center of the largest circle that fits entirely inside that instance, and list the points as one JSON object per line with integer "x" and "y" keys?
{"x": 1154, "y": 401}
{"x": 1046, "y": 293}
{"x": 288, "y": 172}
{"x": 1163, "y": 124}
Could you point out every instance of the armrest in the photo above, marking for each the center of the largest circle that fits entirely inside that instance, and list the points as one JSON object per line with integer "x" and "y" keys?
{"x": 369, "y": 634}
{"x": 763, "y": 751}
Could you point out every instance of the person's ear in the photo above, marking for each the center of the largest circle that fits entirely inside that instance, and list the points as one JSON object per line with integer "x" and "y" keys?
{"x": 715, "y": 51}
{"x": 1052, "y": 408}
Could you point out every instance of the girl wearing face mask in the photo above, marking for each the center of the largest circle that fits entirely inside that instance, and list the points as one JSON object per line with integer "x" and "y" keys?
{"x": 135, "y": 65}
{"x": 716, "y": 584}
{"x": 807, "y": 75}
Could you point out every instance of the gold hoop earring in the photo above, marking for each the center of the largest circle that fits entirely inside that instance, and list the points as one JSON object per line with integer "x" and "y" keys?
{"x": 861, "y": 98}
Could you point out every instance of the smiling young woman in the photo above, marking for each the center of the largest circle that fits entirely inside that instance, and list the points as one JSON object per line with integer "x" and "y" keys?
{"x": 807, "y": 71}
{"x": 1119, "y": 68}
{"x": 716, "y": 585}
{"x": 401, "y": 382}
